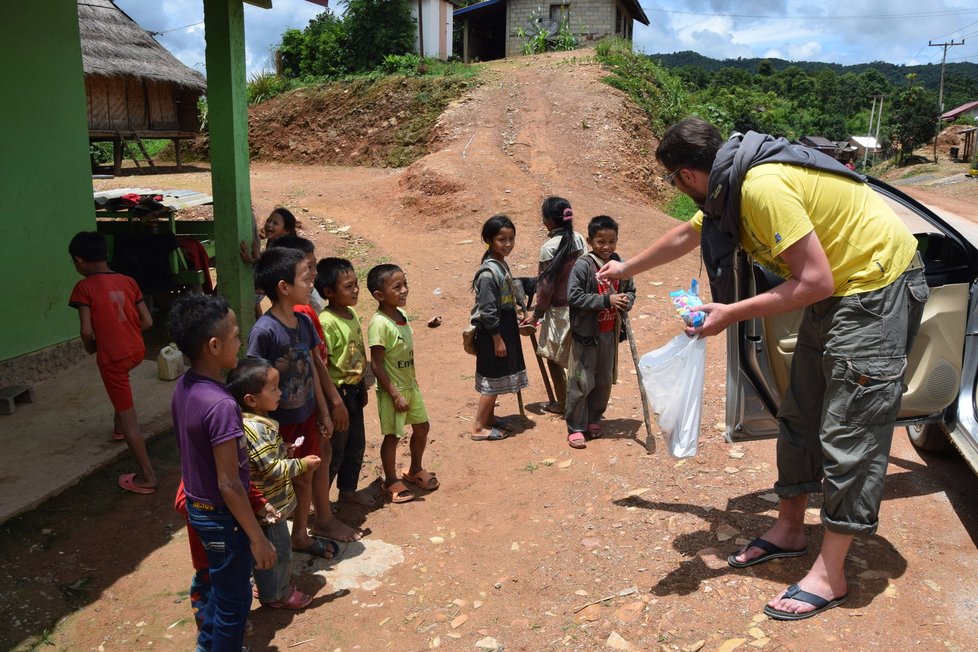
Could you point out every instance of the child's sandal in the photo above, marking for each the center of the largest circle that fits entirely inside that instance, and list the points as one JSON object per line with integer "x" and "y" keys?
{"x": 576, "y": 440}
{"x": 422, "y": 478}
{"x": 399, "y": 493}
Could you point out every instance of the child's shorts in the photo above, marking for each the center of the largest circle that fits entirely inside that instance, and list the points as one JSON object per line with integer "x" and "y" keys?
{"x": 308, "y": 429}
{"x": 115, "y": 377}
{"x": 392, "y": 422}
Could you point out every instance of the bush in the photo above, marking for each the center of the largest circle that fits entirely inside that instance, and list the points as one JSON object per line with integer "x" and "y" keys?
{"x": 539, "y": 35}
{"x": 263, "y": 86}
{"x": 402, "y": 64}
{"x": 658, "y": 92}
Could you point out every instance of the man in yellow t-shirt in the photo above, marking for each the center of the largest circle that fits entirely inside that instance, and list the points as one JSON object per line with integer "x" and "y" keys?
{"x": 851, "y": 264}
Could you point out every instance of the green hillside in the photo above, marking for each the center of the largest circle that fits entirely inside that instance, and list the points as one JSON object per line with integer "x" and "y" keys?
{"x": 960, "y": 78}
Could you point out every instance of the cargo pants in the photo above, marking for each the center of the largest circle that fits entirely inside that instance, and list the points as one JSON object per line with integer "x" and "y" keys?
{"x": 846, "y": 382}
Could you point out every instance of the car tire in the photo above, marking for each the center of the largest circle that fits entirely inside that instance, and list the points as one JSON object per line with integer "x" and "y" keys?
{"x": 931, "y": 437}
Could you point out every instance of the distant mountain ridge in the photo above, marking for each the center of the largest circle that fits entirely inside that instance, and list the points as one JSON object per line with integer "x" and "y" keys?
{"x": 927, "y": 74}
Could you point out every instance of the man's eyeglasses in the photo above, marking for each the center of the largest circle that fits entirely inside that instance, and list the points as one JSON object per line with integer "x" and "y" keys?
{"x": 671, "y": 177}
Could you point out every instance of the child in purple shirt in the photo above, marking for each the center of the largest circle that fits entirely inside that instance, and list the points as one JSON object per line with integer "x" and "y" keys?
{"x": 214, "y": 462}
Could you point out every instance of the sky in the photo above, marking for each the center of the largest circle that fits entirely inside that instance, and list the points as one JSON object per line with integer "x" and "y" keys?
{"x": 834, "y": 31}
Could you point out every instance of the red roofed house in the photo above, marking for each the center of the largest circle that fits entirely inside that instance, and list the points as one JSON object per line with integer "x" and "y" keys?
{"x": 969, "y": 110}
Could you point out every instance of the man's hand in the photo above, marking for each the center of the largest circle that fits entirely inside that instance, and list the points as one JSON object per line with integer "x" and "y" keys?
{"x": 618, "y": 301}
{"x": 717, "y": 319}
{"x": 611, "y": 269}
{"x": 264, "y": 553}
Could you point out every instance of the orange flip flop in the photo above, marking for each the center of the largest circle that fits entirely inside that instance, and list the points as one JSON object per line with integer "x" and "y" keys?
{"x": 127, "y": 482}
{"x": 422, "y": 478}
{"x": 399, "y": 493}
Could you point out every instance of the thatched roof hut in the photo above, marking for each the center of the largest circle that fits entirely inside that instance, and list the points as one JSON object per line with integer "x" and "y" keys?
{"x": 135, "y": 88}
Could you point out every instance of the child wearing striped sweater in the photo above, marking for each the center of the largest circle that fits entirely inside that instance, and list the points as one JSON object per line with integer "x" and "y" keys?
{"x": 254, "y": 385}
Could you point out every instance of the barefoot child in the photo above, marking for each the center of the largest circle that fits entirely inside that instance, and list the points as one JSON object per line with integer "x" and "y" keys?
{"x": 399, "y": 400}
{"x": 499, "y": 366}
{"x": 214, "y": 466}
{"x": 595, "y": 327}
{"x": 337, "y": 409}
{"x": 336, "y": 280}
{"x": 557, "y": 255}
{"x": 112, "y": 315}
{"x": 316, "y": 302}
{"x": 254, "y": 385}
{"x": 288, "y": 340}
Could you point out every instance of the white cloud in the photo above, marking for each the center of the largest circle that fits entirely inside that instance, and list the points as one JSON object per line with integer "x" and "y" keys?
{"x": 843, "y": 31}
{"x": 804, "y": 51}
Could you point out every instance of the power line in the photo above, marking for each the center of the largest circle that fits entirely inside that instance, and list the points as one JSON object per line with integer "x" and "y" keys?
{"x": 177, "y": 29}
{"x": 959, "y": 30}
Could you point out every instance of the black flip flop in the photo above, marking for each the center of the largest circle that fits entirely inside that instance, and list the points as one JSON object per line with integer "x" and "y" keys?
{"x": 794, "y": 592}
{"x": 496, "y": 434}
{"x": 771, "y": 551}
{"x": 320, "y": 547}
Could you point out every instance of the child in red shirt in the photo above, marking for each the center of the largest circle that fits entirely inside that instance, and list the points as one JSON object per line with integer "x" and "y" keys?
{"x": 113, "y": 314}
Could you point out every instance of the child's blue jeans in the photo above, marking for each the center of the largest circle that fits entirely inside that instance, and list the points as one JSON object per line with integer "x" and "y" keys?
{"x": 273, "y": 584}
{"x": 229, "y": 554}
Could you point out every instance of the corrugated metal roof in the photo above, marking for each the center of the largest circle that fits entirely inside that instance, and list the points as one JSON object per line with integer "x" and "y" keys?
{"x": 475, "y": 7}
{"x": 172, "y": 199}
{"x": 954, "y": 113}
{"x": 865, "y": 141}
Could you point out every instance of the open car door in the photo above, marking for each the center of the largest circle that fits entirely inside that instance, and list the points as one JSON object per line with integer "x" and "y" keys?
{"x": 936, "y": 403}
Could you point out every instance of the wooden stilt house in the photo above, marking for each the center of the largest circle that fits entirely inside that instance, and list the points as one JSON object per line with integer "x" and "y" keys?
{"x": 134, "y": 87}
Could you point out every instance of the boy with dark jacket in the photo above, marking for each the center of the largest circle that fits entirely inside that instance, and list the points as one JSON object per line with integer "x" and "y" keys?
{"x": 595, "y": 328}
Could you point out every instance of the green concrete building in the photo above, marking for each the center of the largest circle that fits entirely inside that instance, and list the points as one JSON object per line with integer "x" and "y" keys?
{"x": 45, "y": 174}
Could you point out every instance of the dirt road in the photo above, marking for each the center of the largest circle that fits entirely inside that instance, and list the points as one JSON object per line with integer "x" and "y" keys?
{"x": 528, "y": 543}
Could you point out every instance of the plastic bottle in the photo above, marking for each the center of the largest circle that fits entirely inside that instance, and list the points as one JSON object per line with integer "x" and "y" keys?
{"x": 170, "y": 362}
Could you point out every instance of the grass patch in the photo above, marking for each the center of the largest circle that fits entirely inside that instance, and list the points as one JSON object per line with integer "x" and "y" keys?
{"x": 659, "y": 93}
{"x": 681, "y": 207}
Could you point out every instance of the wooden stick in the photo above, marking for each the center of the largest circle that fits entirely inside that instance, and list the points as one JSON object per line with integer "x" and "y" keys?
{"x": 649, "y": 439}
{"x": 620, "y": 594}
{"x": 543, "y": 369}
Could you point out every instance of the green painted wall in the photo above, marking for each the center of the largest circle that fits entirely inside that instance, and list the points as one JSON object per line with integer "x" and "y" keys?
{"x": 45, "y": 178}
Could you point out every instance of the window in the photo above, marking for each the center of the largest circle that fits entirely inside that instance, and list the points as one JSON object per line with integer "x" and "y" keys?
{"x": 558, "y": 13}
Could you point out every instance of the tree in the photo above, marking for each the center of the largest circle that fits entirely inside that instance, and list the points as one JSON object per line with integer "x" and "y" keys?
{"x": 912, "y": 117}
{"x": 376, "y": 29}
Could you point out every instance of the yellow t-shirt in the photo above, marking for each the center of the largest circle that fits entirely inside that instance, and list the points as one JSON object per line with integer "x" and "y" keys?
{"x": 344, "y": 339}
{"x": 867, "y": 245}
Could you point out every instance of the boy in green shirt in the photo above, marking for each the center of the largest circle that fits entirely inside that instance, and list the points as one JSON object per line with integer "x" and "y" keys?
{"x": 399, "y": 400}
{"x": 336, "y": 281}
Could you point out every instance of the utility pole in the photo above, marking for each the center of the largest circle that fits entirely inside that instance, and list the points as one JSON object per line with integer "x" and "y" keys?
{"x": 940, "y": 93}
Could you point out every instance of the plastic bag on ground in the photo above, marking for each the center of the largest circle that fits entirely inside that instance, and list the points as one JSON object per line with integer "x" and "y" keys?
{"x": 673, "y": 380}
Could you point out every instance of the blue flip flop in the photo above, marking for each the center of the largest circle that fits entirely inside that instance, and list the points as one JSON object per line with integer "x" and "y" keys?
{"x": 794, "y": 592}
{"x": 771, "y": 551}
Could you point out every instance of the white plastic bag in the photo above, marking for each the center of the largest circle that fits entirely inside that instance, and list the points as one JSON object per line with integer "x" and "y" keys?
{"x": 673, "y": 379}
